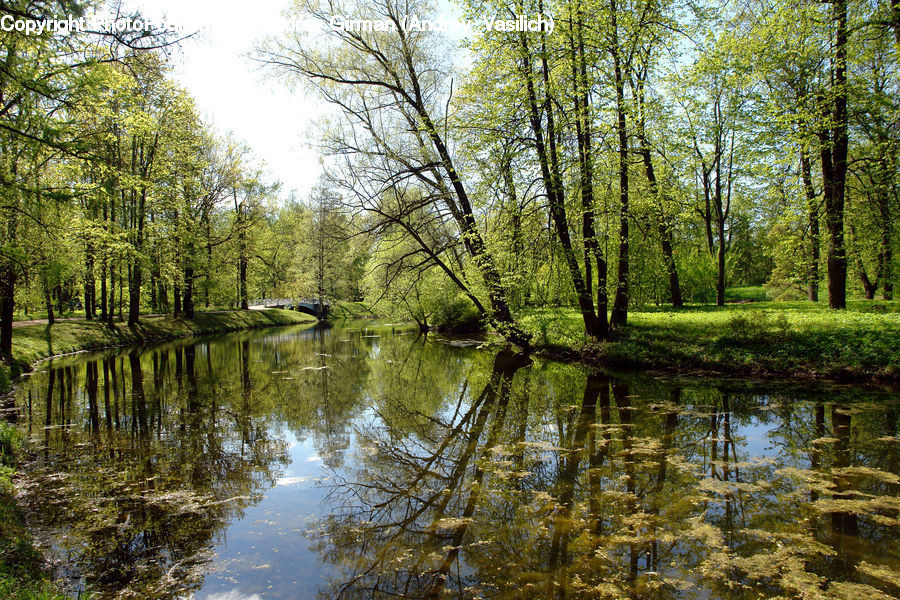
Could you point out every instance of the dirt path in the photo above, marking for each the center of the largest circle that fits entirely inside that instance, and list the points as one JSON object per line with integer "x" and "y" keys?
{"x": 43, "y": 321}
{"x": 58, "y": 319}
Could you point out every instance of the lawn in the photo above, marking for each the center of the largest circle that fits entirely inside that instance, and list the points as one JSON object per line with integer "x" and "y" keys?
{"x": 751, "y": 338}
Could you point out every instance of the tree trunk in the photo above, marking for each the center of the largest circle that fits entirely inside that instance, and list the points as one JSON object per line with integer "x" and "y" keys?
{"x": 242, "y": 266}
{"x": 886, "y": 271}
{"x": 812, "y": 203}
{"x": 501, "y": 316}
{"x": 594, "y": 324}
{"x": 7, "y": 302}
{"x": 176, "y": 294}
{"x": 665, "y": 231}
{"x": 112, "y": 269}
{"x": 122, "y": 292}
{"x": 834, "y": 145}
{"x": 589, "y": 232}
{"x": 620, "y": 306}
{"x": 163, "y": 296}
{"x": 187, "y": 301}
{"x": 886, "y": 255}
{"x": 720, "y": 255}
{"x": 89, "y": 284}
{"x": 869, "y": 286}
{"x": 48, "y": 302}
{"x": 135, "y": 281}
{"x": 242, "y": 252}
{"x": 103, "y": 312}
{"x": 112, "y": 294}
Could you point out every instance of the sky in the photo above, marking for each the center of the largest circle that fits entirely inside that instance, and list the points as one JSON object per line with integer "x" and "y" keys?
{"x": 231, "y": 92}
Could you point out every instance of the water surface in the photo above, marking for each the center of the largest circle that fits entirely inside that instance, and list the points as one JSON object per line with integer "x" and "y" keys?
{"x": 368, "y": 462}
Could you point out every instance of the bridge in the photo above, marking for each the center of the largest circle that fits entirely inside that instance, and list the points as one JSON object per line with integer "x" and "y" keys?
{"x": 305, "y": 305}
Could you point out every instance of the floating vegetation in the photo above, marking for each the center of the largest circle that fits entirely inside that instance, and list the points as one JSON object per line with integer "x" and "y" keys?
{"x": 435, "y": 471}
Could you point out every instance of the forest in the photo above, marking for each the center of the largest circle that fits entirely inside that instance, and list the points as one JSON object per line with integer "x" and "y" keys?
{"x": 610, "y": 303}
{"x": 641, "y": 154}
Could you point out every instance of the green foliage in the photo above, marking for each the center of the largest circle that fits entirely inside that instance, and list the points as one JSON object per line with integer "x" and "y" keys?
{"x": 10, "y": 445}
{"x": 747, "y": 293}
{"x": 756, "y": 338}
{"x": 343, "y": 309}
{"x": 697, "y": 271}
{"x": 14, "y": 588}
{"x": 457, "y": 313}
{"x": 554, "y": 328}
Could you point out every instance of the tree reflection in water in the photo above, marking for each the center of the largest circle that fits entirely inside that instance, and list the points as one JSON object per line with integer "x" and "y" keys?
{"x": 633, "y": 490}
{"x": 141, "y": 496}
{"x": 455, "y": 472}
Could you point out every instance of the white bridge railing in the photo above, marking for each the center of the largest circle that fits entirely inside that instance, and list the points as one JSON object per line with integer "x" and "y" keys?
{"x": 286, "y": 302}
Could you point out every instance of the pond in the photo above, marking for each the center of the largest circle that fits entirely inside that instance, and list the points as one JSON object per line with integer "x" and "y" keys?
{"x": 366, "y": 461}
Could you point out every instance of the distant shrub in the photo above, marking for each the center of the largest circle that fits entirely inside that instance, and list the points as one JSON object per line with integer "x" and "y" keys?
{"x": 457, "y": 314}
{"x": 758, "y": 326}
{"x": 697, "y": 274}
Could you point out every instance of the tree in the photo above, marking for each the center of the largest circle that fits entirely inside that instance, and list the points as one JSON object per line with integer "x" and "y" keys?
{"x": 382, "y": 80}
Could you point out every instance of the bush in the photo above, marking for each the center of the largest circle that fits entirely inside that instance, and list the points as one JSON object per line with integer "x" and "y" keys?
{"x": 697, "y": 272}
{"x": 758, "y": 326}
{"x": 457, "y": 314}
{"x": 552, "y": 327}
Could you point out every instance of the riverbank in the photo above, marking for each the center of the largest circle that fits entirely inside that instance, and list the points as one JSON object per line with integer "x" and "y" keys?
{"x": 32, "y": 343}
{"x": 342, "y": 310}
{"x": 756, "y": 339}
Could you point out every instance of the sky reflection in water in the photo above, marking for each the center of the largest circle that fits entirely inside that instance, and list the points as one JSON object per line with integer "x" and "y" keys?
{"x": 291, "y": 463}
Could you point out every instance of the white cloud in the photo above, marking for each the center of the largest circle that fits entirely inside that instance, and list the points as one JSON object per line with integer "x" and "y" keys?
{"x": 232, "y": 595}
{"x": 291, "y": 480}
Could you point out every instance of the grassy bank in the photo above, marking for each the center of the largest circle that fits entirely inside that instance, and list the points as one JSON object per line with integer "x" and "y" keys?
{"x": 34, "y": 342}
{"x": 349, "y": 310}
{"x": 755, "y": 338}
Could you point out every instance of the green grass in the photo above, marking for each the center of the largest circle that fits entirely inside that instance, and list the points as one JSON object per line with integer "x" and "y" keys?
{"x": 34, "y": 342}
{"x": 758, "y": 338}
{"x": 748, "y": 293}
{"x": 349, "y": 310}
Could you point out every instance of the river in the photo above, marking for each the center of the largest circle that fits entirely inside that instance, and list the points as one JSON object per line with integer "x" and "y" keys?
{"x": 366, "y": 461}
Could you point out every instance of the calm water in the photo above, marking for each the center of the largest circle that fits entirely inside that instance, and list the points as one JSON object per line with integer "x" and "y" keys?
{"x": 367, "y": 462}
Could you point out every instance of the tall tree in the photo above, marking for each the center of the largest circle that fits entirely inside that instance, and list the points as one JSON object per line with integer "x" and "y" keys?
{"x": 399, "y": 72}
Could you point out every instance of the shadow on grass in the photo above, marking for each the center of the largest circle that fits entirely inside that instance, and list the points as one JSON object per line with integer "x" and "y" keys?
{"x": 48, "y": 338}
